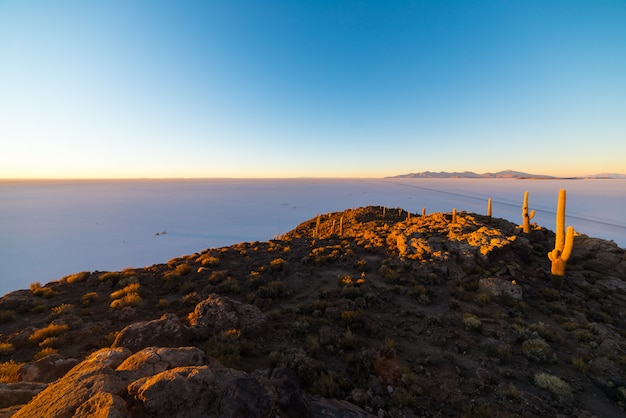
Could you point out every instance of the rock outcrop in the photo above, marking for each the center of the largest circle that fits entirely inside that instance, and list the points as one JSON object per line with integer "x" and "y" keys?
{"x": 169, "y": 382}
{"x": 168, "y": 331}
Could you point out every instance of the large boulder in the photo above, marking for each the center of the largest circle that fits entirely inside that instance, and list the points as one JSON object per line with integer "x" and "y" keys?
{"x": 92, "y": 377}
{"x": 180, "y": 392}
{"x": 172, "y": 382}
{"x": 18, "y": 393}
{"x": 167, "y": 331}
{"x": 220, "y": 313}
{"x": 47, "y": 369}
{"x": 153, "y": 360}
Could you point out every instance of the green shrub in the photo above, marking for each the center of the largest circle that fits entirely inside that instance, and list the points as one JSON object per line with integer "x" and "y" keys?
{"x": 225, "y": 347}
{"x": 471, "y": 322}
{"x": 538, "y": 349}
{"x": 388, "y": 274}
{"x": 483, "y": 299}
{"x": 230, "y": 285}
{"x": 555, "y": 385}
{"x": 546, "y": 332}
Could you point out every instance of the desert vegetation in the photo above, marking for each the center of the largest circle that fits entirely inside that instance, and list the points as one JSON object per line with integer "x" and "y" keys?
{"x": 387, "y": 310}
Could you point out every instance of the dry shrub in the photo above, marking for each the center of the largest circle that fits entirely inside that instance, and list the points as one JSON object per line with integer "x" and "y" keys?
{"x": 10, "y": 372}
{"x": 51, "y": 330}
{"x": 131, "y": 288}
{"x": 76, "y": 277}
{"x": 44, "y": 352}
{"x": 131, "y": 299}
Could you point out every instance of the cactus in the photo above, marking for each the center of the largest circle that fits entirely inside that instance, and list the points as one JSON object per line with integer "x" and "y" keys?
{"x": 489, "y": 209}
{"x": 317, "y": 227}
{"x": 423, "y": 211}
{"x": 525, "y": 216}
{"x": 453, "y": 215}
{"x": 341, "y": 226}
{"x": 564, "y": 241}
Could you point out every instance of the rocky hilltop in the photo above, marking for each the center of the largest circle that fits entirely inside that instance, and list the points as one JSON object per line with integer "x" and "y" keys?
{"x": 366, "y": 312}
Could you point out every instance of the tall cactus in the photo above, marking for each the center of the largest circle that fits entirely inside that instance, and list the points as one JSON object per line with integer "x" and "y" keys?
{"x": 525, "y": 216}
{"x": 489, "y": 209}
{"x": 564, "y": 241}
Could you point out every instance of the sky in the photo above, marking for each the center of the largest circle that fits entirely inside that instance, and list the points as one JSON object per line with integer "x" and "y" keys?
{"x": 161, "y": 89}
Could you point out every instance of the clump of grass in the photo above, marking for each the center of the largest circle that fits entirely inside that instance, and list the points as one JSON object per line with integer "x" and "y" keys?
{"x": 10, "y": 372}
{"x": 471, "y": 322}
{"x": 44, "y": 352}
{"x": 6, "y": 348}
{"x": 555, "y": 385}
{"x": 53, "y": 341}
{"x": 274, "y": 289}
{"x": 388, "y": 274}
{"x": 183, "y": 269}
{"x": 76, "y": 277}
{"x": 131, "y": 299}
{"x": 191, "y": 299}
{"x": 87, "y": 298}
{"x": 131, "y": 288}
{"x": 550, "y": 294}
{"x": 512, "y": 393}
{"x": 352, "y": 318}
{"x": 163, "y": 303}
{"x": 538, "y": 349}
{"x": 226, "y": 347}
{"x": 580, "y": 364}
{"x": 208, "y": 260}
{"x": 37, "y": 290}
{"x": 62, "y": 309}
{"x": 421, "y": 294}
{"x": 7, "y": 315}
{"x": 348, "y": 340}
{"x": 230, "y": 285}
{"x": 112, "y": 276}
{"x": 278, "y": 264}
{"x": 546, "y": 332}
{"x": 52, "y": 330}
{"x": 483, "y": 299}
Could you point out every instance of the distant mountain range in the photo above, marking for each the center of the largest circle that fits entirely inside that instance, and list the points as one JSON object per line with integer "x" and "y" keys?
{"x": 506, "y": 174}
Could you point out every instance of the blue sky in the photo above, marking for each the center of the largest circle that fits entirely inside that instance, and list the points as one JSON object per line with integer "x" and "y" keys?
{"x": 310, "y": 89}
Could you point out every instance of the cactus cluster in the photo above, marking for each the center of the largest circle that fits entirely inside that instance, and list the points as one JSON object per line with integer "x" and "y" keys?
{"x": 564, "y": 240}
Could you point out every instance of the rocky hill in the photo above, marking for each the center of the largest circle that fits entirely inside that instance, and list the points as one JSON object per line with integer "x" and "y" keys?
{"x": 366, "y": 312}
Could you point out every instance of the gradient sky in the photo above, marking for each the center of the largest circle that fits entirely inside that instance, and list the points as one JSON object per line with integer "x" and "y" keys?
{"x": 310, "y": 88}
